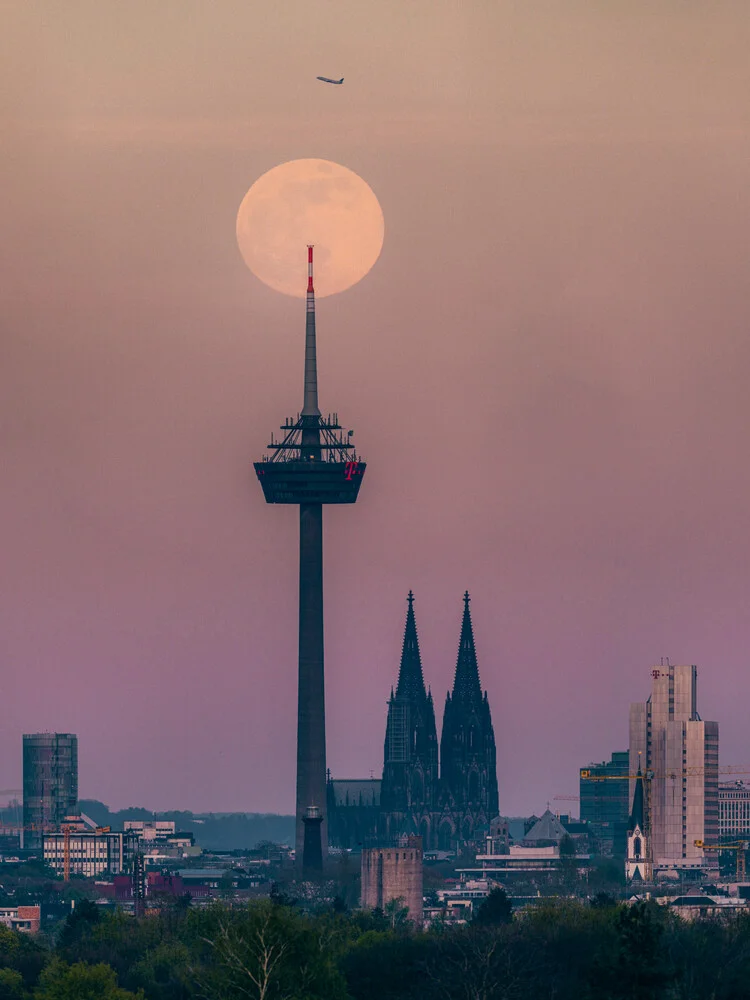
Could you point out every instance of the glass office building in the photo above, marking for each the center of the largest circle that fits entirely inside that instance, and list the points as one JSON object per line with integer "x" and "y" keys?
{"x": 50, "y": 783}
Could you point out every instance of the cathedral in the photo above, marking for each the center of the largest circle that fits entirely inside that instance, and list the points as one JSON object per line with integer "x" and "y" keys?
{"x": 447, "y": 792}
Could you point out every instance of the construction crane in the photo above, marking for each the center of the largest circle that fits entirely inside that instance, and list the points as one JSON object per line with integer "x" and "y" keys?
{"x": 739, "y": 847}
{"x": 648, "y": 776}
{"x": 66, "y": 831}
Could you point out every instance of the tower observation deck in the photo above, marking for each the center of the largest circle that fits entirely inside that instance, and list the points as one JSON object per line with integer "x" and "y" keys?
{"x": 313, "y": 463}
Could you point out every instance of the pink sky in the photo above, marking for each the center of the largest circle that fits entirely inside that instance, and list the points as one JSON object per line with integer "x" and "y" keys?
{"x": 547, "y": 371}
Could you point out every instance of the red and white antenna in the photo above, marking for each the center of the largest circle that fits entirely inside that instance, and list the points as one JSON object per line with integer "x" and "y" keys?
{"x": 310, "y": 408}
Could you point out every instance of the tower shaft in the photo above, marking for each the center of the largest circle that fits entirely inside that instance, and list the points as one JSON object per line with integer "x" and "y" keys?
{"x": 311, "y": 725}
{"x": 313, "y": 465}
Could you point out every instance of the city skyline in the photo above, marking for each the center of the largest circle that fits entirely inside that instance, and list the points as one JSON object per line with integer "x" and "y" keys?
{"x": 547, "y": 367}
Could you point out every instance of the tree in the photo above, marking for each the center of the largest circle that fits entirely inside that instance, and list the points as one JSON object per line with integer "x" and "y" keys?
{"x": 226, "y": 886}
{"x": 11, "y": 985}
{"x": 639, "y": 968}
{"x": 79, "y": 923}
{"x": 262, "y": 952}
{"x": 22, "y": 954}
{"x": 395, "y": 912}
{"x": 60, "y": 981}
{"x": 163, "y": 973}
{"x": 495, "y": 909}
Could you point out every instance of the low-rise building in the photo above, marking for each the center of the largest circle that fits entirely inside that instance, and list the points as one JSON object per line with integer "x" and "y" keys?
{"x": 159, "y": 839}
{"x": 698, "y": 905}
{"x": 21, "y": 918}
{"x": 89, "y": 852}
{"x": 734, "y": 811}
{"x": 521, "y": 860}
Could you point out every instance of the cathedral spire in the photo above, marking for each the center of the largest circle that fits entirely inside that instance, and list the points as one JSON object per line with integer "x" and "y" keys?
{"x": 466, "y": 685}
{"x": 410, "y": 678}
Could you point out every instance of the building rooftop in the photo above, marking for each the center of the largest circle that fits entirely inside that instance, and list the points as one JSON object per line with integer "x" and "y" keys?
{"x": 548, "y": 827}
{"x": 356, "y": 791}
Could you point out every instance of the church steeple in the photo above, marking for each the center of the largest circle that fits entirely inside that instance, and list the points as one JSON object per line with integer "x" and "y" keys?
{"x": 466, "y": 684}
{"x": 637, "y": 864}
{"x": 636, "y": 813}
{"x": 410, "y": 677}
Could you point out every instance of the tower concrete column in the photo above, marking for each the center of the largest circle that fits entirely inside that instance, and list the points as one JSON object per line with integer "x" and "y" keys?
{"x": 311, "y": 724}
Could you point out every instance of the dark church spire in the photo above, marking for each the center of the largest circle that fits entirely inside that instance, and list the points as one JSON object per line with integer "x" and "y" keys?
{"x": 636, "y": 814}
{"x": 410, "y": 677}
{"x": 466, "y": 685}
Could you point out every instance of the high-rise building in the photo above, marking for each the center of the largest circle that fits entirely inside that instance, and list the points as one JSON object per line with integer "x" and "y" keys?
{"x": 313, "y": 464}
{"x": 468, "y": 774}
{"x": 50, "y": 783}
{"x": 605, "y": 803}
{"x": 409, "y": 790}
{"x": 679, "y": 755}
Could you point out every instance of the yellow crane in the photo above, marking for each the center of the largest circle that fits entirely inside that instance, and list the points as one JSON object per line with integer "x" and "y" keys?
{"x": 66, "y": 831}
{"x": 739, "y": 847}
{"x": 694, "y": 770}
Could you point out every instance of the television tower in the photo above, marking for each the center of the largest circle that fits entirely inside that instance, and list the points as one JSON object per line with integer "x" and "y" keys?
{"x": 313, "y": 464}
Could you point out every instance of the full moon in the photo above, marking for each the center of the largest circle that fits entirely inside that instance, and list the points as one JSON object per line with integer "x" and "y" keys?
{"x": 310, "y": 201}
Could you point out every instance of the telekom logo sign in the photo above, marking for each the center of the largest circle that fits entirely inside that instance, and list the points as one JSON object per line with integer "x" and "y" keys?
{"x": 349, "y": 470}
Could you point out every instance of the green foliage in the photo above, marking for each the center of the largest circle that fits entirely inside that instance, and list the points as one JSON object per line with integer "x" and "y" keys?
{"x": 496, "y": 909}
{"x": 11, "y": 985}
{"x": 567, "y": 847}
{"x": 60, "y": 981}
{"x": 264, "y": 952}
{"x": 602, "y": 950}
{"x": 79, "y": 924}
{"x": 396, "y": 913}
{"x": 23, "y": 954}
{"x": 386, "y": 965}
{"x": 606, "y": 875}
{"x": 164, "y": 972}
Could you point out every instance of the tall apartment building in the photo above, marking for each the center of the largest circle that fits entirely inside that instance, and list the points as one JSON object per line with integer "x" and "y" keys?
{"x": 734, "y": 812}
{"x": 679, "y": 755}
{"x": 50, "y": 783}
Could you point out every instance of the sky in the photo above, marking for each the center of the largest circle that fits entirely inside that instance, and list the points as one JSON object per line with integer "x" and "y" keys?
{"x": 546, "y": 370}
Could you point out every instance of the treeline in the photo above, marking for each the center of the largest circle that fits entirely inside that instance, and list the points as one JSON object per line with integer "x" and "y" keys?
{"x": 212, "y": 831}
{"x": 270, "y": 950}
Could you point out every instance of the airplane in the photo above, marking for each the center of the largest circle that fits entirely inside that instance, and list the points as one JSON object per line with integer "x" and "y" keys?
{"x": 326, "y": 79}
